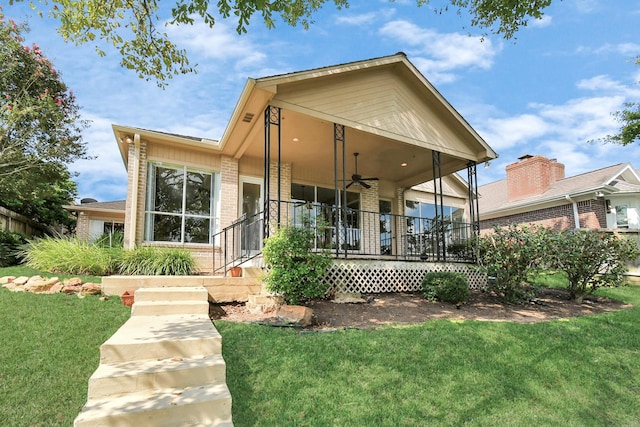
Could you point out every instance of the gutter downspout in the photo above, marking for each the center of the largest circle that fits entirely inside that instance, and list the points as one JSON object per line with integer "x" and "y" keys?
{"x": 575, "y": 211}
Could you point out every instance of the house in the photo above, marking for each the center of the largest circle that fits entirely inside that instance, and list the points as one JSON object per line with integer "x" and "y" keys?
{"x": 536, "y": 191}
{"x": 95, "y": 219}
{"x": 367, "y": 151}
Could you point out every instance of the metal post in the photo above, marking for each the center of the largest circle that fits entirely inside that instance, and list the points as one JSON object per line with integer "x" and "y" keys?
{"x": 439, "y": 206}
{"x": 271, "y": 117}
{"x": 340, "y": 207}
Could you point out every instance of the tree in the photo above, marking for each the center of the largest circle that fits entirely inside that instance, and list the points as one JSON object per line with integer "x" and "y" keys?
{"x": 629, "y": 119}
{"x": 40, "y": 130}
{"x": 132, "y": 26}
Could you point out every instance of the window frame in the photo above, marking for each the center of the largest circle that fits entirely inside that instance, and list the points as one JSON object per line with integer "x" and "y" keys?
{"x": 184, "y": 214}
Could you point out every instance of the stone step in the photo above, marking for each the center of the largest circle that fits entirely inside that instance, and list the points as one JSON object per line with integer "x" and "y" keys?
{"x": 161, "y": 308}
{"x": 208, "y": 405}
{"x": 186, "y": 293}
{"x": 162, "y": 337}
{"x": 118, "y": 379}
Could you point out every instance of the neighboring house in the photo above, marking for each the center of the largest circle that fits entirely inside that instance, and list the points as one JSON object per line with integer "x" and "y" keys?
{"x": 95, "y": 219}
{"x": 536, "y": 191}
{"x": 289, "y": 152}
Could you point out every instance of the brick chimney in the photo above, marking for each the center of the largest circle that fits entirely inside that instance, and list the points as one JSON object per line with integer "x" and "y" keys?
{"x": 532, "y": 175}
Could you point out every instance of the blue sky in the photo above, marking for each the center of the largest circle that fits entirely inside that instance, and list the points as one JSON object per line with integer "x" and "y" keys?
{"x": 548, "y": 92}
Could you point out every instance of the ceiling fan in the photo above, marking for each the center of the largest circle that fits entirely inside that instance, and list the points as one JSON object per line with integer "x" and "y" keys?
{"x": 357, "y": 179}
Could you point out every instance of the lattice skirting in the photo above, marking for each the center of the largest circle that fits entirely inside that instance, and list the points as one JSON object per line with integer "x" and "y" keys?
{"x": 366, "y": 277}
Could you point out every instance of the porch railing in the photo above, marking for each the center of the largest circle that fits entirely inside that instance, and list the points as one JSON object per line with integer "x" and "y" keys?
{"x": 238, "y": 243}
{"x": 365, "y": 234}
{"x": 348, "y": 233}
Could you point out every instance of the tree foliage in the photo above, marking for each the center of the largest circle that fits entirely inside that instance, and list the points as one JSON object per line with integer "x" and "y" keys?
{"x": 629, "y": 119}
{"x": 591, "y": 259}
{"x": 40, "y": 130}
{"x": 134, "y": 27}
{"x": 510, "y": 256}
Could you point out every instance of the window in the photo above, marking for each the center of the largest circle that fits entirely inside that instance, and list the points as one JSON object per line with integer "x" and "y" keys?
{"x": 422, "y": 236}
{"x": 385, "y": 226}
{"x": 622, "y": 220}
{"x": 318, "y": 204}
{"x": 181, "y": 204}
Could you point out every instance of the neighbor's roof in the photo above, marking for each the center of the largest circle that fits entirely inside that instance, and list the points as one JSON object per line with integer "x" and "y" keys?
{"x": 114, "y": 206}
{"x": 612, "y": 179}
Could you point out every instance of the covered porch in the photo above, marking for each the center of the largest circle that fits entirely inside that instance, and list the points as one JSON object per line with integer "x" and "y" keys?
{"x": 340, "y": 148}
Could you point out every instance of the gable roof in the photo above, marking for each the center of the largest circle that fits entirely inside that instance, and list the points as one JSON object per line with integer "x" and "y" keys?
{"x": 621, "y": 177}
{"x": 381, "y": 101}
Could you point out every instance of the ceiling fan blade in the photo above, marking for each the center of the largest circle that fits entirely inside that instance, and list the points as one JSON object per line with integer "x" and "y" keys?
{"x": 365, "y": 185}
{"x": 350, "y": 184}
{"x": 370, "y": 179}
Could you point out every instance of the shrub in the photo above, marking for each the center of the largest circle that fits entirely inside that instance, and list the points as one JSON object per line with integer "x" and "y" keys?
{"x": 446, "y": 286}
{"x": 70, "y": 255}
{"x": 591, "y": 259}
{"x": 155, "y": 261}
{"x": 10, "y": 243}
{"x": 509, "y": 256}
{"x": 294, "y": 270}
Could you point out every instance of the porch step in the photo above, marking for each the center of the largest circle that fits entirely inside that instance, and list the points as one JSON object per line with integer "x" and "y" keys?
{"x": 168, "y": 307}
{"x": 162, "y": 369}
{"x": 207, "y": 405}
{"x": 162, "y": 337}
{"x": 119, "y": 379}
{"x": 187, "y": 293}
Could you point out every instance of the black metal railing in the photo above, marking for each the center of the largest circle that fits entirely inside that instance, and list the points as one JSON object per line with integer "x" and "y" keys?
{"x": 238, "y": 243}
{"x": 348, "y": 233}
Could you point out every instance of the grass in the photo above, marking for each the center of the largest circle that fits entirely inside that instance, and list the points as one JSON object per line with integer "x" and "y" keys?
{"x": 49, "y": 348}
{"x": 577, "y": 372}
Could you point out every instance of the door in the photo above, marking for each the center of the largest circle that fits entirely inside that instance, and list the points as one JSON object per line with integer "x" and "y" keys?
{"x": 251, "y": 201}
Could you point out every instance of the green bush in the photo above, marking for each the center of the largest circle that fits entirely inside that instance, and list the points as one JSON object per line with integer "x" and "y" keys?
{"x": 10, "y": 244}
{"x": 70, "y": 255}
{"x": 591, "y": 259}
{"x": 510, "y": 256}
{"x": 155, "y": 261}
{"x": 294, "y": 270}
{"x": 446, "y": 286}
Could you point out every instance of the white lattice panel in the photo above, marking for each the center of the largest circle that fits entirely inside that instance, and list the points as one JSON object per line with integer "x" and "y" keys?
{"x": 367, "y": 277}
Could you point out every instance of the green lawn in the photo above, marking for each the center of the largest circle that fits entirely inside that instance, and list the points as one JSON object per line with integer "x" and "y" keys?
{"x": 579, "y": 372}
{"x": 48, "y": 350}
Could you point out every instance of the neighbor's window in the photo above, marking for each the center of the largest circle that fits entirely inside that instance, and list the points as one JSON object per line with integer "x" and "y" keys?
{"x": 622, "y": 220}
{"x": 181, "y": 204}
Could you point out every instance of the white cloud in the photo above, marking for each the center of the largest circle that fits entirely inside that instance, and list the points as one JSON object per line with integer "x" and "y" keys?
{"x": 362, "y": 19}
{"x": 103, "y": 178}
{"x": 221, "y": 42}
{"x": 508, "y": 132}
{"x": 439, "y": 55}
{"x": 544, "y": 21}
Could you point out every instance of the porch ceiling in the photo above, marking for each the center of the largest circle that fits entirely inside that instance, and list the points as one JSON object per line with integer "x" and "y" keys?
{"x": 307, "y": 142}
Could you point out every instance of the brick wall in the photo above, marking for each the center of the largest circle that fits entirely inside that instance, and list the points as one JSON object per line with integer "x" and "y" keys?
{"x": 591, "y": 213}
{"x": 370, "y": 226}
{"x": 138, "y": 184}
{"x": 228, "y": 191}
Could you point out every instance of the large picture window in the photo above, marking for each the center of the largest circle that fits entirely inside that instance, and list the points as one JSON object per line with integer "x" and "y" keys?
{"x": 181, "y": 204}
